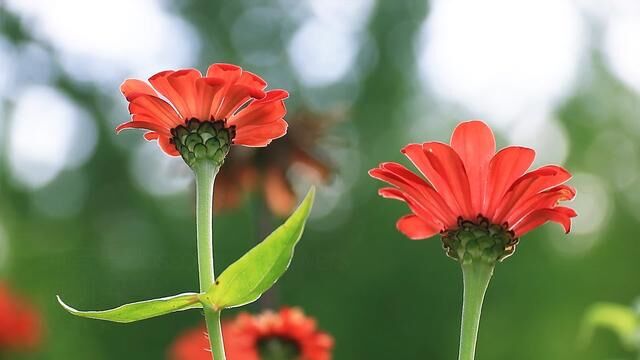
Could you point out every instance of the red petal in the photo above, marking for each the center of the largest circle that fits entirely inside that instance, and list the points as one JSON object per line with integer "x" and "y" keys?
{"x": 543, "y": 200}
{"x": 260, "y": 135}
{"x": 273, "y": 95}
{"x": 415, "y": 228}
{"x": 442, "y": 166}
{"x": 560, "y": 215}
{"x": 236, "y": 96}
{"x": 527, "y": 186}
{"x": 160, "y": 82}
{"x": 475, "y": 144}
{"x": 206, "y": 90}
{"x": 148, "y": 125}
{"x": 401, "y": 177}
{"x": 230, "y": 75}
{"x": 505, "y": 168}
{"x": 155, "y": 108}
{"x": 131, "y": 88}
{"x": 229, "y": 72}
{"x": 157, "y": 133}
{"x": 151, "y": 136}
{"x": 416, "y": 207}
{"x": 252, "y": 80}
{"x": 167, "y": 146}
{"x": 184, "y": 84}
{"x": 265, "y": 110}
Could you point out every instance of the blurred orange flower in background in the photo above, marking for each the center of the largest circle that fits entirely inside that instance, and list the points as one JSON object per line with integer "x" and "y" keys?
{"x": 20, "y": 324}
{"x": 248, "y": 169}
{"x": 286, "y": 334}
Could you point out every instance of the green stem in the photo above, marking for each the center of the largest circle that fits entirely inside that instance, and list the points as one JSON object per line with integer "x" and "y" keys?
{"x": 477, "y": 275}
{"x": 205, "y": 172}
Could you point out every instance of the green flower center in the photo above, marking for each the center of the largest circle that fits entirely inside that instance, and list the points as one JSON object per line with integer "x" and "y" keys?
{"x": 479, "y": 241}
{"x": 203, "y": 140}
{"x": 278, "y": 348}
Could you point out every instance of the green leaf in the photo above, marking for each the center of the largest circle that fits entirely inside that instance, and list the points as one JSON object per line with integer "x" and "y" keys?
{"x": 141, "y": 310}
{"x": 255, "y": 272}
{"x": 622, "y": 320}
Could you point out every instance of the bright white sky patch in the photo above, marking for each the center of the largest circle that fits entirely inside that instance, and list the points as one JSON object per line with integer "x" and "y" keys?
{"x": 352, "y": 14}
{"x": 99, "y": 40}
{"x": 47, "y": 133}
{"x": 622, "y": 48}
{"x": 545, "y": 135}
{"x": 322, "y": 55}
{"x": 326, "y": 45}
{"x": 7, "y": 64}
{"x": 501, "y": 58}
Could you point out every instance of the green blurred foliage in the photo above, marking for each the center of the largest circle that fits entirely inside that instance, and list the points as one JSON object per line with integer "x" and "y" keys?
{"x": 379, "y": 294}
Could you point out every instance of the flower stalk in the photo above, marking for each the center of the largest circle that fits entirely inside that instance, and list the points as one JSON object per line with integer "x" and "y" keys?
{"x": 476, "y": 275}
{"x": 205, "y": 172}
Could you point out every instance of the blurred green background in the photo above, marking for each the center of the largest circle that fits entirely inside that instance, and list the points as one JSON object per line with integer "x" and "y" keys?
{"x": 104, "y": 219}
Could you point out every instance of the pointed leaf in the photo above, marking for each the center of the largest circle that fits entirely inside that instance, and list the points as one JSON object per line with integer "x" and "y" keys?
{"x": 141, "y": 310}
{"x": 249, "y": 277}
{"x": 622, "y": 320}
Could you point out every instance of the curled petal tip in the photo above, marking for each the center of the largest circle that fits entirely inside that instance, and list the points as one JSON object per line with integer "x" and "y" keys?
{"x": 160, "y": 74}
{"x": 122, "y": 126}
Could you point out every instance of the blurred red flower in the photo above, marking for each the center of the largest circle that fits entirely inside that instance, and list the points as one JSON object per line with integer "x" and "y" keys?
{"x": 227, "y": 94}
{"x": 287, "y": 334}
{"x": 267, "y": 169}
{"x": 20, "y": 326}
{"x": 469, "y": 181}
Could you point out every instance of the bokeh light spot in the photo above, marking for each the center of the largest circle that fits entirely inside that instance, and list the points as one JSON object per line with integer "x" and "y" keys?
{"x": 159, "y": 174}
{"x": 593, "y": 204}
{"x": 544, "y": 134}
{"x": 322, "y": 55}
{"x": 621, "y": 47}
{"x": 47, "y": 133}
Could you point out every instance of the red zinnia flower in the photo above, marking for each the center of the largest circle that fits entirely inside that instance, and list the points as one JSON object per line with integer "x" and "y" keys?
{"x": 226, "y": 95}
{"x": 288, "y": 333}
{"x": 468, "y": 182}
{"x": 19, "y": 323}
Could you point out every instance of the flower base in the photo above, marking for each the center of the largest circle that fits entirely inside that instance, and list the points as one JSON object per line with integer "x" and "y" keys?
{"x": 480, "y": 241}
{"x": 203, "y": 140}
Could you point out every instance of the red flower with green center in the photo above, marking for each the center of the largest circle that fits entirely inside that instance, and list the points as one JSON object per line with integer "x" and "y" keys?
{"x": 286, "y": 335}
{"x": 230, "y": 101}
{"x": 20, "y": 326}
{"x": 469, "y": 186}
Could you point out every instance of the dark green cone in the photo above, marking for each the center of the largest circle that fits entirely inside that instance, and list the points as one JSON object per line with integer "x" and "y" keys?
{"x": 479, "y": 240}
{"x": 203, "y": 140}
